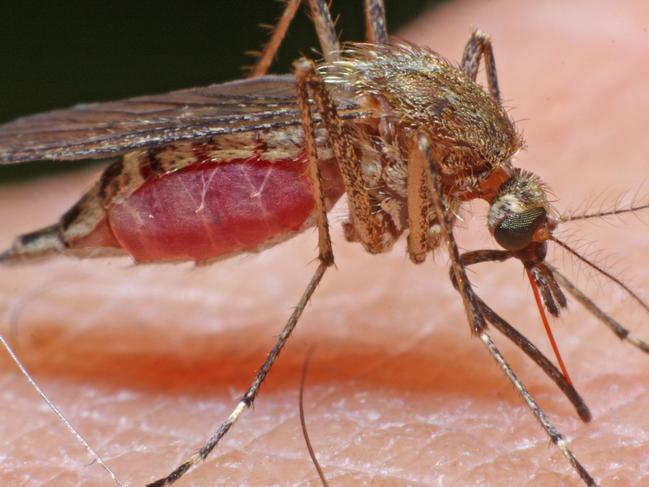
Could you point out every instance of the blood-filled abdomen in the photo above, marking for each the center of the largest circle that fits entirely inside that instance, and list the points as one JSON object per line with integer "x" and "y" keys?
{"x": 213, "y": 209}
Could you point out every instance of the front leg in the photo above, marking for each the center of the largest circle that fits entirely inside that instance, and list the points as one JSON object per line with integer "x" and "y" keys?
{"x": 423, "y": 174}
{"x": 421, "y": 159}
{"x": 479, "y": 45}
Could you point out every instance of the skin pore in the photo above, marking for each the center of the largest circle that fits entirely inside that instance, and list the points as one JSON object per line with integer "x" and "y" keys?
{"x": 147, "y": 360}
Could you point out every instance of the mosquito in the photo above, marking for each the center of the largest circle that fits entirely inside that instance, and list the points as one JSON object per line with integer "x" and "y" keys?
{"x": 204, "y": 174}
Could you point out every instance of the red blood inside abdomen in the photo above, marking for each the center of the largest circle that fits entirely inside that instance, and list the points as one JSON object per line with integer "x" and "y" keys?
{"x": 213, "y": 209}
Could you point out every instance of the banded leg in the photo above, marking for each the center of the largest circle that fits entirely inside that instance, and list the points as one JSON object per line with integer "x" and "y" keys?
{"x": 368, "y": 226}
{"x": 422, "y": 159}
{"x": 376, "y": 30}
{"x": 420, "y": 169}
{"x": 479, "y": 45}
{"x": 418, "y": 221}
{"x": 326, "y": 260}
{"x": 325, "y": 28}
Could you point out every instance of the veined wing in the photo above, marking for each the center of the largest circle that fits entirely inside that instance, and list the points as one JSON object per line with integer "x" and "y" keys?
{"x": 100, "y": 130}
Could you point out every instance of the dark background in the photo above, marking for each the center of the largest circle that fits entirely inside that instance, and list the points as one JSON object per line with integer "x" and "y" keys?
{"x": 56, "y": 54}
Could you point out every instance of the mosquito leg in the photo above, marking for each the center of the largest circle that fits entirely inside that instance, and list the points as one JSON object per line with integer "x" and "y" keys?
{"x": 556, "y": 437}
{"x": 279, "y": 32}
{"x": 615, "y": 327}
{"x": 374, "y": 22}
{"x": 422, "y": 158}
{"x": 479, "y": 45}
{"x": 326, "y": 260}
{"x": 537, "y": 356}
{"x": 368, "y": 226}
{"x": 479, "y": 256}
{"x": 418, "y": 214}
{"x": 375, "y": 25}
{"x": 324, "y": 26}
{"x": 421, "y": 162}
{"x": 251, "y": 393}
{"x": 325, "y": 29}
{"x": 324, "y": 240}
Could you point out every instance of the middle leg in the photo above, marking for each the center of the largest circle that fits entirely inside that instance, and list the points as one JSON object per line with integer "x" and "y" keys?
{"x": 326, "y": 259}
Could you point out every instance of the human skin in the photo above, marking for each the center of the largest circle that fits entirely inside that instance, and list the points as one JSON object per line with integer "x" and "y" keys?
{"x": 147, "y": 360}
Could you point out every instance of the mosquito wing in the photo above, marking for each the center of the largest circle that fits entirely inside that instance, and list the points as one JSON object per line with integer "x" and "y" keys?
{"x": 100, "y": 130}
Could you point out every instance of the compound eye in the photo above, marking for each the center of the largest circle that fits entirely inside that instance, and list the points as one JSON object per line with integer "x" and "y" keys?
{"x": 516, "y": 231}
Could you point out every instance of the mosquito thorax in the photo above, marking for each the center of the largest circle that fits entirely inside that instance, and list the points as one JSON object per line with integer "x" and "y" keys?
{"x": 520, "y": 216}
{"x": 417, "y": 89}
{"x": 403, "y": 89}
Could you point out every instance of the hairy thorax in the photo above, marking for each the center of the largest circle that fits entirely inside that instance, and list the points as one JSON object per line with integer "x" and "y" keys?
{"x": 406, "y": 89}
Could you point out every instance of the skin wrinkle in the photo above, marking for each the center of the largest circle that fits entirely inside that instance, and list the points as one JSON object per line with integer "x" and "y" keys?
{"x": 445, "y": 376}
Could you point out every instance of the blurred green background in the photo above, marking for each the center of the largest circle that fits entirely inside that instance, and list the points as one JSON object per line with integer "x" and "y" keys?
{"x": 56, "y": 54}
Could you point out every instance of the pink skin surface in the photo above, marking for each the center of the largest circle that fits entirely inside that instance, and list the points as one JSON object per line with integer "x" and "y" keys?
{"x": 147, "y": 360}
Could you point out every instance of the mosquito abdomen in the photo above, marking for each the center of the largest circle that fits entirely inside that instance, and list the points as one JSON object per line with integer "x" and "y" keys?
{"x": 207, "y": 209}
{"x": 213, "y": 210}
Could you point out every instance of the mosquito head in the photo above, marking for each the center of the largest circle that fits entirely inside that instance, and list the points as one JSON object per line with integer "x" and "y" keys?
{"x": 520, "y": 217}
